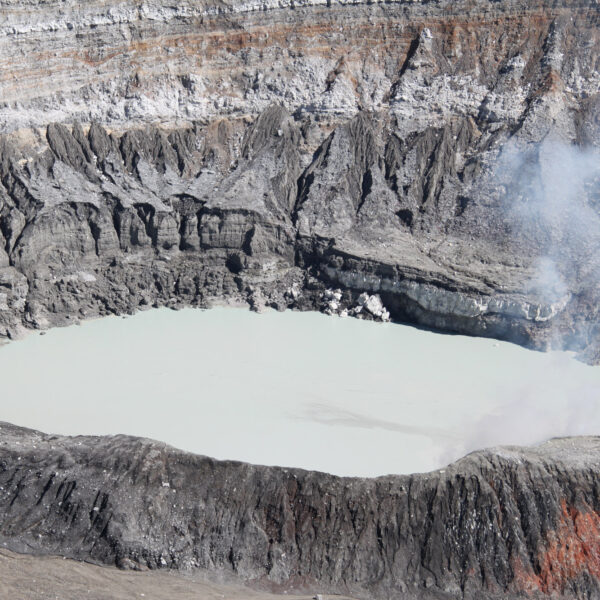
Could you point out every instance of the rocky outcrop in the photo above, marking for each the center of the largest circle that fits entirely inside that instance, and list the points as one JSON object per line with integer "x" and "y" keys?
{"x": 500, "y": 523}
{"x": 441, "y": 157}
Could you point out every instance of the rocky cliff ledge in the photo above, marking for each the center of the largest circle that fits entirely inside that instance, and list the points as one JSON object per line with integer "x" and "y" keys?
{"x": 502, "y": 523}
{"x": 436, "y": 162}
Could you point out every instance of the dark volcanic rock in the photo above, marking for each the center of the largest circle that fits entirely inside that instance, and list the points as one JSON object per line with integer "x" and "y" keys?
{"x": 441, "y": 155}
{"x": 500, "y": 523}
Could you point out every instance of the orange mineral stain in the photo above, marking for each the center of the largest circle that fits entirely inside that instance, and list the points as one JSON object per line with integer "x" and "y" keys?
{"x": 570, "y": 551}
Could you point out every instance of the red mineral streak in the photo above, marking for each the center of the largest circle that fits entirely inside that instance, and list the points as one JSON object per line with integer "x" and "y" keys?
{"x": 570, "y": 551}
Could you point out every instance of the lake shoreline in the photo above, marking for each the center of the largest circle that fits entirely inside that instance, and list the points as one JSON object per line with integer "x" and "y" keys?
{"x": 298, "y": 388}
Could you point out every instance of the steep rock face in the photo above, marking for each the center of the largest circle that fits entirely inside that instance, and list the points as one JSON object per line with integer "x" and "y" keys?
{"x": 441, "y": 155}
{"x": 432, "y": 160}
{"x": 500, "y": 523}
{"x": 118, "y": 61}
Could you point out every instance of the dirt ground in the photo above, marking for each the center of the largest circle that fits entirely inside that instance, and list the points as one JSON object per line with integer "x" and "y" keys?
{"x": 24, "y": 577}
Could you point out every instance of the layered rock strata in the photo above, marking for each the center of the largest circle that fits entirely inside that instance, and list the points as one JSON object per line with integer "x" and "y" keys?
{"x": 501, "y": 523}
{"x": 440, "y": 157}
{"x": 433, "y": 162}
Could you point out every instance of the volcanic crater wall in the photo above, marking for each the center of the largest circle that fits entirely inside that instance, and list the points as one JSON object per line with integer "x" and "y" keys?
{"x": 503, "y": 523}
{"x": 436, "y": 162}
{"x": 423, "y": 153}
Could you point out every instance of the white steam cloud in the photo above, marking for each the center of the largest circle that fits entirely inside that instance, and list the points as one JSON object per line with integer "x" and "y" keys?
{"x": 553, "y": 195}
{"x": 550, "y": 193}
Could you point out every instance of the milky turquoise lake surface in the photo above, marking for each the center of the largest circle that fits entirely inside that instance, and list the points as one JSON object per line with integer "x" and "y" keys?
{"x": 295, "y": 389}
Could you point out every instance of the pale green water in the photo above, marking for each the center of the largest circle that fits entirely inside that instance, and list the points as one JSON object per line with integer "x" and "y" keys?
{"x": 295, "y": 389}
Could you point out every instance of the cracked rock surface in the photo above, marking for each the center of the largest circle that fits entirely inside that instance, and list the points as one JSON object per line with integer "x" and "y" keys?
{"x": 505, "y": 522}
{"x": 439, "y": 157}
